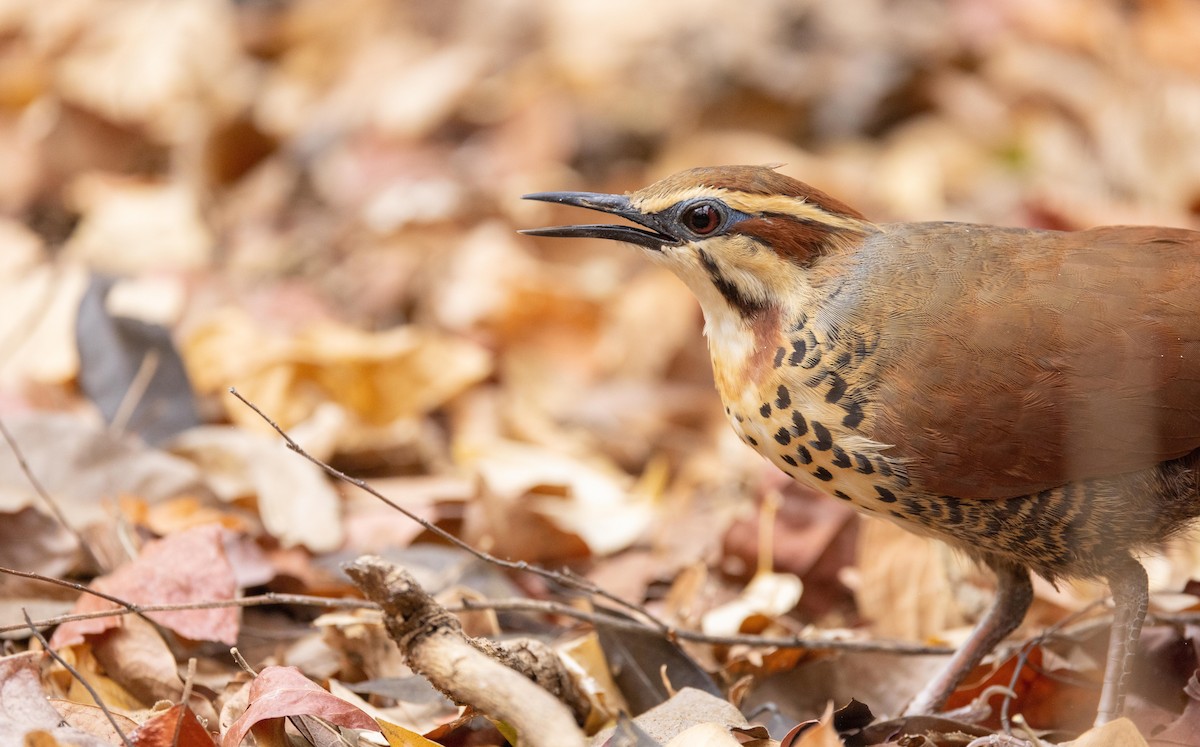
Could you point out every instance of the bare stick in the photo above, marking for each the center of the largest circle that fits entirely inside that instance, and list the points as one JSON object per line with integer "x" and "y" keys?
{"x": 135, "y": 392}
{"x": 183, "y": 700}
{"x": 44, "y": 494}
{"x": 569, "y": 580}
{"x": 435, "y": 646}
{"x": 75, "y": 673}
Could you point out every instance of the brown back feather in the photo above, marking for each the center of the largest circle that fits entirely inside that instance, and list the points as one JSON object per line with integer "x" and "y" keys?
{"x": 1028, "y": 359}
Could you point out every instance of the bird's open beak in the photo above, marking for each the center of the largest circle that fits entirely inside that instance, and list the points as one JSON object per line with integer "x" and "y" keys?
{"x": 618, "y": 205}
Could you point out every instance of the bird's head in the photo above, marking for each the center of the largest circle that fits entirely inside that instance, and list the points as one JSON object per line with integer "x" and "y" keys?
{"x": 746, "y": 239}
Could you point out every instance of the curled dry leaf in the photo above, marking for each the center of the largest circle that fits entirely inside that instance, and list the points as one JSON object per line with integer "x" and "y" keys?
{"x": 378, "y": 376}
{"x": 278, "y": 692}
{"x": 165, "y": 730}
{"x": 768, "y": 595}
{"x": 586, "y": 499}
{"x": 819, "y": 733}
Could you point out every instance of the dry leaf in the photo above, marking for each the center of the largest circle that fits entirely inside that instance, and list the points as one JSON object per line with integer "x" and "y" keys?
{"x": 189, "y": 66}
{"x": 278, "y": 692}
{"x": 819, "y": 734}
{"x": 38, "y": 326}
{"x": 164, "y": 730}
{"x": 86, "y": 469}
{"x": 379, "y": 377}
{"x": 295, "y": 501}
{"x": 905, "y": 589}
{"x": 583, "y": 499}
{"x": 187, "y": 567}
{"x": 91, "y": 719}
{"x": 1119, "y": 733}
{"x": 768, "y": 595}
{"x": 129, "y": 227}
{"x": 25, "y": 711}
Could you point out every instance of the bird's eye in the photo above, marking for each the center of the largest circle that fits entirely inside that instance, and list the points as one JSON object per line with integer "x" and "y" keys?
{"x": 702, "y": 219}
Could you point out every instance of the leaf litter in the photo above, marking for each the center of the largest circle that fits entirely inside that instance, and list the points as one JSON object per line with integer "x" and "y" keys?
{"x": 317, "y": 203}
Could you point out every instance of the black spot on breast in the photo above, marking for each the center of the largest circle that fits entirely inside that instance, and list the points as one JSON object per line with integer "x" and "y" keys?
{"x": 783, "y": 437}
{"x": 799, "y": 348}
{"x": 823, "y": 474}
{"x": 863, "y": 464}
{"x": 885, "y": 495}
{"x": 812, "y": 359}
{"x": 882, "y": 465}
{"x": 783, "y": 398}
{"x": 840, "y": 458}
{"x": 801, "y": 321}
{"x": 779, "y": 357}
{"x": 765, "y": 410}
{"x": 799, "y": 425}
{"x": 842, "y": 360}
{"x": 837, "y": 388}
{"x": 739, "y": 418}
{"x": 789, "y": 459}
{"x": 803, "y": 454}
{"x": 897, "y": 514}
{"x": 789, "y": 474}
{"x": 824, "y": 441}
{"x": 752, "y": 440}
{"x": 841, "y": 495}
{"x": 854, "y": 415}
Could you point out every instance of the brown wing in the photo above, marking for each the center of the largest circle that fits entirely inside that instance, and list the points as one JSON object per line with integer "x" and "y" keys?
{"x": 1029, "y": 359}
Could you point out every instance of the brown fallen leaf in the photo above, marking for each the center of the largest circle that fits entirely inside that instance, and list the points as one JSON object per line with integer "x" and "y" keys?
{"x": 819, "y": 733}
{"x": 164, "y": 730}
{"x": 379, "y": 377}
{"x": 92, "y": 719}
{"x": 295, "y": 501}
{"x": 187, "y": 567}
{"x": 278, "y": 692}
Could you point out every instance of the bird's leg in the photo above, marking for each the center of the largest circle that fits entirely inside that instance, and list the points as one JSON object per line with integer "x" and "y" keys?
{"x": 1014, "y": 594}
{"x": 1131, "y": 594}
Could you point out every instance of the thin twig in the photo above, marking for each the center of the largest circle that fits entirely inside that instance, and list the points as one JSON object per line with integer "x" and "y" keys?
{"x": 79, "y": 677}
{"x": 694, "y": 636}
{"x": 599, "y": 617}
{"x": 241, "y": 662}
{"x": 70, "y": 585}
{"x": 260, "y": 601}
{"x": 184, "y": 708}
{"x": 44, "y": 494}
{"x": 564, "y": 578}
{"x": 134, "y": 394}
{"x": 1026, "y": 650}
